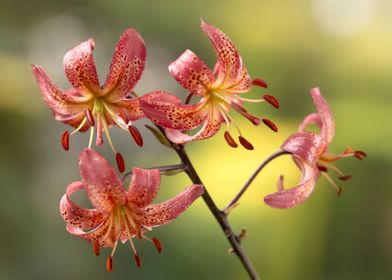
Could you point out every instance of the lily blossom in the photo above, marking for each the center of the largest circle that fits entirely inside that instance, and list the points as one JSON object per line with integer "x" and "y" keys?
{"x": 310, "y": 153}
{"x": 119, "y": 214}
{"x": 87, "y": 105}
{"x": 219, "y": 92}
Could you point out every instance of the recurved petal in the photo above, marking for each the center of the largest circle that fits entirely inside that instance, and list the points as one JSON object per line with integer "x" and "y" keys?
{"x": 99, "y": 234}
{"x": 167, "y": 110}
{"x": 68, "y": 102}
{"x": 75, "y": 215}
{"x": 306, "y": 145}
{"x": 127, "y": 65}
{"x": 298, "y": 194}
{"x": 144, "y": 186}
{"x": 74, "y": 120}
{"x": 102, "y": 185}
{"x": 192, "y": 73}
{"x": 165, "y": 212}
{"x": 310, "y": 119}
{"x": 209, "y": 128}
{"x": 80, "y": 68}
{"x": 228, "y": 56}
{"x": 328, "y": 124}
{"x": 131, "y": 107}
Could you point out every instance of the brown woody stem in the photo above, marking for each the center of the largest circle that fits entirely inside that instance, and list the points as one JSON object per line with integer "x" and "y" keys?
{"x": 219, "y": 215}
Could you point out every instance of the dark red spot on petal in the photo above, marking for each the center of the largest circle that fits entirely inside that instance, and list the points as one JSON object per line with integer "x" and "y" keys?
{"x": 90, "y": 118}
{"x": 157, "y": 244}
{"x": 120, "y": 162}
{"x": 259, "y": 83}
{"x": 245, "y": 143}
{"x": 109, "y": 264}
{"x": 271, "y": 100}
{"x": 138, "y": 260}
{"x": 65, "y": 140}
{"x": 230, "y": 140}
{"x": 135, "y": 133}
{"x": 345, "y": 177}
{"x": 270, "y": 124}
{"x": 360, "y": 155}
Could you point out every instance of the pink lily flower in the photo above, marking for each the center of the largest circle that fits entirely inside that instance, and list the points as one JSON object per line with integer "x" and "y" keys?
{"x": 88, "y": 104}
{"x": 310, "y": 153}
{"x": 219, "y": 92}
{"x": 119, "y": 214}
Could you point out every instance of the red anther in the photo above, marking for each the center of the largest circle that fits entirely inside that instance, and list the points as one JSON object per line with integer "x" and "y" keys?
{"x": 345, "y": 177}
{"x": 65, "y": 140}
{"x": 230, "y": 140}
{"x": 339, "y": 191}
{"x": 96, "y": 248}
{"x": 360, "y": 155}
{"x": 245, "y": 143}
{"x": 271, "y": 100}
{"x": 270, "y": 124}
{"x": 109, "y": 264}
{"x": 138, "y": 260}
{"x": 322, "y": 168}
{"x": 120, "y": 162}
{"x": 136, "y": 135}
{"x": 90, "y": 118}
{"x": 259, "y": 83}
{"x": 157, "y": 244}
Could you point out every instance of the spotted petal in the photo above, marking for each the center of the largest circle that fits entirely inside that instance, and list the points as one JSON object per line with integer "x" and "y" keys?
{"x": 298, "y": 194}
{"x": 68, "y": 102}
{"x": 144, "y": 186}
{"x": 210, "y": 127}
{"x": 230, "y": 64}
{"x": 328, "y": 125}
{"x": 127, "y": 65}
{"x": 102, "y": 185}
{"x": 305, "y": 145}
{"x": 192, "y": 73}
{"x": 165, "y": 212}
{"x": 167, "y": 110}
{"x": 75, "y": 215}
{"x": 80, "y": 68}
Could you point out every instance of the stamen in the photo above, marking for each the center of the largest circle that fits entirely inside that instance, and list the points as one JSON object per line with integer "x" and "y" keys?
{"x": 157, "y": 244}
{"x": 188, "y": 98}
{"x": 65, "y": 140}
{"x": 259, "y": 83}
{"x": 109, "y": 263}
{"x": 230, "y": 140}
{"x": 271, "y": 100}
{"x": 90, "y": 118}
{"x": 120, "y": 162}
{"x": 345, "y": 177}
{"x": 339, "y": 189}
{"x": 135, "y": 133}
{"x": 245, "y": 143}
{"x": 105, "y": 127}
{"x": 360, "y": 155}
{"x": 79, "y": 127}
{"x": 96, "y": 248}
{"x": 90, "y": 142}
{"x": 138, "y": 260}
{"x": 322, "y": 168}
{"x": 270, "y": 124}
{"x": 242, "y": 111}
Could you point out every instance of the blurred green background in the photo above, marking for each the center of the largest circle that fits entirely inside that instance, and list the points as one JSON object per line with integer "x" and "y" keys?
{"x": 343, "y": 46}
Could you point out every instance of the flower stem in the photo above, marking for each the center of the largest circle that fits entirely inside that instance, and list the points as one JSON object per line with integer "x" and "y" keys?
{"x": 219, "y": 215}
{"x": 235, "y": 200}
